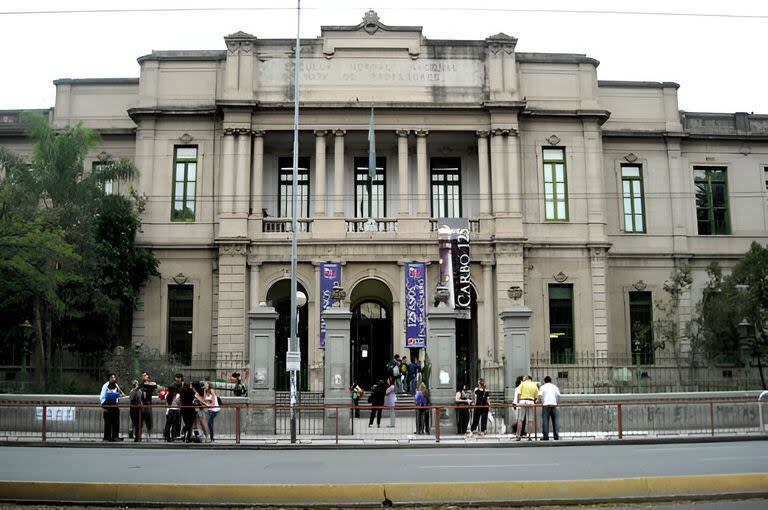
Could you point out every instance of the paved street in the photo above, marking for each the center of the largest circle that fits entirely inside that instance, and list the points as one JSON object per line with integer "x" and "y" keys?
{"x": 197, "y": 465}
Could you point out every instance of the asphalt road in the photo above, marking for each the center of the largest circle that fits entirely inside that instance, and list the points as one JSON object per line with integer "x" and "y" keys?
{"x": 407, "y": 464}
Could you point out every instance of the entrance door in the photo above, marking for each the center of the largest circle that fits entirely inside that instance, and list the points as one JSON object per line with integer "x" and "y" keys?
{"x": 371, "y": 343}
{"x": 467, "y": 367}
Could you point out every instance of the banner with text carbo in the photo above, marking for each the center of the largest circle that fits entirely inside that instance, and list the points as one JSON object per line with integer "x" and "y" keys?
{"x": 415, "y": 304}
{"x": 457, "y": 275}
{"x": 330, "y": 274}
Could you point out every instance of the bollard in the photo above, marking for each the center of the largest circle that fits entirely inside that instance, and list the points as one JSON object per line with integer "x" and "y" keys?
{"x": 437, "y": 424}
{"x": 621, "y": 432}
{"x": 45, "y": 420}
{"x": 237, "y": 424}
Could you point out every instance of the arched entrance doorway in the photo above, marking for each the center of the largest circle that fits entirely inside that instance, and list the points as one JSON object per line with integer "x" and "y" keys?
{"x": 467, "y": 369}
{"x": 279, "y": 296}
{"x": 370, "y": 332}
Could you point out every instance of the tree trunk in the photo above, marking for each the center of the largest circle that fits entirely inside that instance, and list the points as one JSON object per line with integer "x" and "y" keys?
{"x": 40, "y": 345}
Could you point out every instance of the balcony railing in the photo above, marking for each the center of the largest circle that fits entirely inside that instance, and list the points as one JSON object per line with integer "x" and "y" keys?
{"x": 371, "y": 225}
{"x": 474, "y": 225}
{"x": 278, "y": 225}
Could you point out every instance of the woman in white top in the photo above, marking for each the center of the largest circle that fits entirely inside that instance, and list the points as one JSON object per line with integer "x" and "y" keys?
{"x": 212, "y": 401}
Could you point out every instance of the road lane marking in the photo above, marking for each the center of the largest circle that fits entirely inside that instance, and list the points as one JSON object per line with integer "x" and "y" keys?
{"x": 465, "y": 454}
{"x": 748, "y": 457}
{"x": 679, "y": 448}
{"x": 469, "y": 466}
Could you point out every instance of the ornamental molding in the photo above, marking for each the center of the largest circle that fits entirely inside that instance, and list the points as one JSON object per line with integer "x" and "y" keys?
{"x": 403, "y": 133}
{"x": 340, "y": 132}
{"x": 501, "y": 43}
{"x": 103, "y": 156}
{"x": 500, "y": 132}
{"x": 482, "y": 133}
{"x": 640, "y": 285}
{"x": 553, "y": 139}
{"x": 421, "y": 133}
{"x": 185, "y": 138}
{"x": 180, "y": 279}
{"x": 630, "y": 158}
{"x": 240, "y": 42}
{"x": 237, "y": 131}
{"x": 233, "y": 249}
{"x": 560, "y": 277}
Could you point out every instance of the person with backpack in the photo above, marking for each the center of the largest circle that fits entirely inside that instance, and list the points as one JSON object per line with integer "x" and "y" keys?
{"x": 404, "y": 374}
{"x": 393, "y": 371}
{"x": 239, "y": 390}
{"x": 376, "y": 399}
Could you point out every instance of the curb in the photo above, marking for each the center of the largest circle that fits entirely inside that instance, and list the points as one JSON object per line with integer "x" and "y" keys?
{"x": 522, "y": 492}
{"x": 156, "y": 445}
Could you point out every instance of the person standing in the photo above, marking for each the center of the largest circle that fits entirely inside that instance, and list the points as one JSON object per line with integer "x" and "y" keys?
{"x": 174, "y": 390}
{"x": 393, "y": 371}
{"x": 356, "y": 392}
{"x": 110, "y": 394}
{"x": 213, "y": 406}
{"x": 422, "y": 413}
{"x": 413, "y": 371}
{"x": 463, "y": 401}
{"x": 134, "y": 399}
{"x": 188, "y": 411}
{"x": 529, "y": 393}
{"x": 390, "y": 399}
{"x": 376, "y": 399}
{"x": 550, "y": 399}
{"x": 482, "y": 401}
{"x": 148, "y": 388}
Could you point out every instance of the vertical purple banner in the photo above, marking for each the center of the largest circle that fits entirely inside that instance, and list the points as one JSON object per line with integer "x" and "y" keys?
{"x": 415, "y": 304}
{"x": 329, "y": 275}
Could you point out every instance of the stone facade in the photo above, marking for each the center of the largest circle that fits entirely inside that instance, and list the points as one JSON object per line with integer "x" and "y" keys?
{"x": 488, "y": 109}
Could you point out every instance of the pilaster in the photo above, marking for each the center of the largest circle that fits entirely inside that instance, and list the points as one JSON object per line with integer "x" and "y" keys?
{"x": 261, "y": 360}
{"x": 498, "y": 171}
{"x": 509, "y": 273}
{"x": 501, "y": 68}
{"x": 441, "y": 348}
{"x": 484, "y": 177}
{"x": 257, "y": 179}
{"x": 338, "y": 176}
{"x": 320, "y": 180}
{"x": 402, "y": 171}
{"x": 599, "y": 273}
{"x": 422, "y": 172}
{"x": 232, "y": 297}
{"x": 337, "y": 369}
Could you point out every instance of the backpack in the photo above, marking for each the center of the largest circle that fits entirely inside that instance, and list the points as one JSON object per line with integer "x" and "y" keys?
{"x": 220, "y": 402}
{"x": 404, "y": 368}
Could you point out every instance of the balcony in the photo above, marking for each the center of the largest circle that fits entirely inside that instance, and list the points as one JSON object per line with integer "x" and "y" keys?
{"x": 371, "y": 225}
{"x": 280, "y": 225}
{"x": 474, "y": 225}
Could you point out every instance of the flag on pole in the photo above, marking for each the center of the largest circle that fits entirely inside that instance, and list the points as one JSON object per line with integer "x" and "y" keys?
{"x": 371, "y": 149}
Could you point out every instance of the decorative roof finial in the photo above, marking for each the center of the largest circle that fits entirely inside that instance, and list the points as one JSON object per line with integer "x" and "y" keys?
{"x": 371, "y": 18}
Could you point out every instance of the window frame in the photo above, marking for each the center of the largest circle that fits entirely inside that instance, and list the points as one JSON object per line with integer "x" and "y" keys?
{"x": 567, "y": 357}
{"x": 185, "y": 197}
{"x": 643, "y": 215}
{"x": 110, "y": 183}
{"x": 646, "y": 355}
{"x": 445, "y": 166}
{"x": 709, "y": 171}
{"x": 171, "y": 346}
{"x": 303, "y": 170}
{"x": 360, "y": 168}
{"x": 554, "y": 183}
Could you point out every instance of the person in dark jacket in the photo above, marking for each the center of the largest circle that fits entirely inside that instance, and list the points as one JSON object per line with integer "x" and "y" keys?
{"x": 188, "y": 410}
{"x": 376, "y": 399}
{"x": 148, "y": 388}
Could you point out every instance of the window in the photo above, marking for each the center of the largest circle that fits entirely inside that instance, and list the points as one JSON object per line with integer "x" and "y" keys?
{"x": 561, "y": 342}
{"x": 555, "y": 185}
{"x": 641, "y": 327}
{"x": 446, "y": 187}
{"x": 180, "y": 301}
{"x": 377, "y": 206}
{"x": 711, "y": 200}
{"x": 632, "y": 192}
{"x": 765, "y": 177}
{"x": 285, "y": 188}
{"x": 107, "y": 186}
{"x": 184, "y": 179}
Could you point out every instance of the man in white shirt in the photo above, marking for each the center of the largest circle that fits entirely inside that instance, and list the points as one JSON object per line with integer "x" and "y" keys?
{"x": 103, "y": 394}
{"x": 550, "y": 398}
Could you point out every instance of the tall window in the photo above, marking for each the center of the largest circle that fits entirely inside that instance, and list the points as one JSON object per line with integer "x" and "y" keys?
{"x": 641, "y": 327}
{"x": 446, "y": 187}
{"x": 285, "y": 189}
{"x": 561, "y": 342}
{"x": 765, "y": 177}
{"x": 555, "y": 185}
{"x": 632, "y": 191}
{"x": 184, "y": 180}
{"x": 711, "y": 200}
{"x": 378, "y": 202}
{"x": 180, "y": 301}
{"x": 108, "y": 186}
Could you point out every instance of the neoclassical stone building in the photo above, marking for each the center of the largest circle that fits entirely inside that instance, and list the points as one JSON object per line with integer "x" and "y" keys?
{"x": 583, "y": 193}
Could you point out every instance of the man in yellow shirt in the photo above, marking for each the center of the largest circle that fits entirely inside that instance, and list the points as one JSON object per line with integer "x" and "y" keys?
{"x": 529, "y": 393}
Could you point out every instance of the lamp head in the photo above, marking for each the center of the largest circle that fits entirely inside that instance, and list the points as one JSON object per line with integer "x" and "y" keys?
{"x": 301, "y": 299}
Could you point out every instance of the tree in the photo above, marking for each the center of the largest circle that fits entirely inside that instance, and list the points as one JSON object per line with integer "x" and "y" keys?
{"x": 89, "y": 287}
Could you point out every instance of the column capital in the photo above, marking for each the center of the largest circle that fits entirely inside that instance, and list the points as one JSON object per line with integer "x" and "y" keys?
{"x": 499, "y": 132}
{"x": 340, "y": 132}
{"x": 321, "y": 132}
{"x": 402, "y": 132}
{"x": 421, "y": 133}
{"x": 237, "y": 131}
{"x": 482, "y": 133}
{"x": 258, "y": 133}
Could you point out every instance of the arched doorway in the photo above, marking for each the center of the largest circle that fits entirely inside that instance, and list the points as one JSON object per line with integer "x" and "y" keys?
{"x": 279, "y": 296}
{"x": 467, "y": 369}
{"x": 370, "y": 332}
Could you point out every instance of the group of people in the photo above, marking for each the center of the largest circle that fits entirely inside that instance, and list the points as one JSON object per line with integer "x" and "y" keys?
{"x": 383, "y": 394}
{"x": 404, "y": 373}
{"x": 191, "y": 408}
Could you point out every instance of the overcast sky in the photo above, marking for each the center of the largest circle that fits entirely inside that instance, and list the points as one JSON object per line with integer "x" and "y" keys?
{"x": 720, "y": 62}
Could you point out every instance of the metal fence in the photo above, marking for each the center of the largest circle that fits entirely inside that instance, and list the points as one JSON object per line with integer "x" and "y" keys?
{"x": 78, "y": 373}
{"x": 600, "y": 372}
{"x": 240, "y": 423}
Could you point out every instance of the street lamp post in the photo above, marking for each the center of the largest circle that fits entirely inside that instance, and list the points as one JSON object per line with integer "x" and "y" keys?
{"x": 745, "y": 331}
{"x": 294, "y": 359}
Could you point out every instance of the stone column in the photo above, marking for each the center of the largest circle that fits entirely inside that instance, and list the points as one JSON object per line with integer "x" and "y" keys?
{"x": 489, "y": 317}
{"x": 338, "y": 175}
{"x": 593, "y": 149}
{"x": 485, "y": 179}
{"x": 320, "y": 193}
{"x": 337, "y": 369}
{"x": 257, "y": 174}
{"x": 678, "y": 182}
{"x": 498, "y": 171}
{"x": 422, "y": 187}
{"x": 227, "y": 177}
{"x": 599, "y": 272}
{"x": 514, "y": 175}
{"x": 253, "y": 289}
{"x": 261, "y": 362}
{"x": 441, "y": 348}
{"x": 242, "y": 180}
{"x": 402, "y": 171}
{"x": 517, "y": 346}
